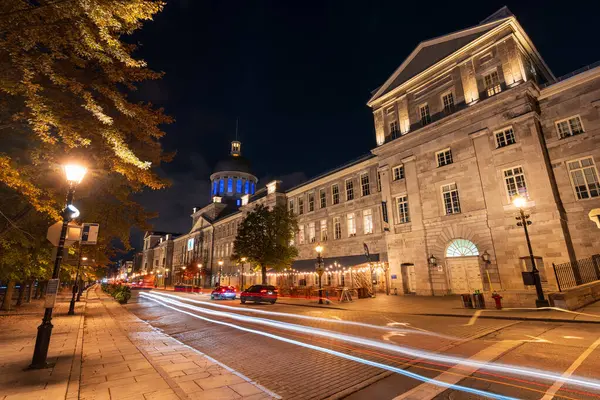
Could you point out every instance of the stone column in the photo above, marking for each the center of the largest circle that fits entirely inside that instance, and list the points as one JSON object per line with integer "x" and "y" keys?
{"x": 469, "y": 82}
{"x": 512, "y": 63}
{"x": 379, "y": 128}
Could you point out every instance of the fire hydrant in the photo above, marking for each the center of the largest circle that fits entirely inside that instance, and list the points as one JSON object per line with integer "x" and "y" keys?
{"x": 498, "y": 299}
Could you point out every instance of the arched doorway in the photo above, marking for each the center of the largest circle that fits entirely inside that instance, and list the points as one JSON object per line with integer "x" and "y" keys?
{"x": 462, "y": 263}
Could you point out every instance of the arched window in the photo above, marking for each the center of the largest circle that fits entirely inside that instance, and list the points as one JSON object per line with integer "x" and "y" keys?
{"x": 221, "y": 186}
{"x": 215, "y": 184}
{"x": 461, "y": 248}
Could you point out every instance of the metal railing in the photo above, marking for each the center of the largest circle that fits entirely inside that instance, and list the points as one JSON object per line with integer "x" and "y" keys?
{"x": 569, "y": 275}
{"x": 571, "y": 74}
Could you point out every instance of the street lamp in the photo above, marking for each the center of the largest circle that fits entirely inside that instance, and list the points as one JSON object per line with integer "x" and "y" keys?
{"x": 76, "y": 284}
{"x": 520, "y": 202}
{"x": 166, "y": 276}
{"x": 74, "y": 174}
{"x": 243, "y": 260}
{"x": 80, "y": 283}
{"x": 220, "y": 270}
{"x": 320, "y": 270}
{"x": 198, "y": 274}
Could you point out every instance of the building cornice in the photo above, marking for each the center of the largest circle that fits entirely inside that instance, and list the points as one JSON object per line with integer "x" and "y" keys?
{"x": 569, "y": 83}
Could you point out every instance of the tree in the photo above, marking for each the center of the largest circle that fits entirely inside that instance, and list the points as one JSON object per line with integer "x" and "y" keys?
{"x": 66, "y": 74}
{"x": 265, "y": 238}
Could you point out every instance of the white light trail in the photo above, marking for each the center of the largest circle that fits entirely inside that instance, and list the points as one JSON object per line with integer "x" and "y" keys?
{"x": 386, "y": 329}
{"x": 505, "y": 368}
{"x": 339, "y": 354}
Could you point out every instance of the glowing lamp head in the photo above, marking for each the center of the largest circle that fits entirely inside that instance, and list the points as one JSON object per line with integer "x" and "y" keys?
{"x": 220, "y": 262}
{"x": 243, "y": 259}
{"x": 83, "y": 258}
{"x": 519, "y": 201}
{"x": 75, "y": 173}
{"x": 319, "y": 249}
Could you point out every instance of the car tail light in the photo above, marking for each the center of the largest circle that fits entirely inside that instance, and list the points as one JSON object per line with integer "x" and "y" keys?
{"x": 222, "y": 290}
{"x": 263, "y": 291}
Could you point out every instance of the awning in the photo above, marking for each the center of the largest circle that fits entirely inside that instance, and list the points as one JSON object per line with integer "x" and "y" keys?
{"x": 345, "y": 262}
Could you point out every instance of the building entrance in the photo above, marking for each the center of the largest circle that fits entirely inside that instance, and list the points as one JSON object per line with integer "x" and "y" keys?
{"x": 409, "y": 282}
{"x": 462, "y": 266}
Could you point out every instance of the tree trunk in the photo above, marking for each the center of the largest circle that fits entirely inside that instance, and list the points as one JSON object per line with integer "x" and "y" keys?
{"x": 30, "y": 294}
{"x": 43, "y": 289}
{"x": 263, "y": 270}
{"x": 21, "y": 293}
{"x": 10, "y": 287}
{"x": 36, "y": 295}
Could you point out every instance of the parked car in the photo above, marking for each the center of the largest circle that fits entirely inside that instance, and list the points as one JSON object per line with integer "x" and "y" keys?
{"x": 223, "y": 292}
{"x": 259, "y": 294}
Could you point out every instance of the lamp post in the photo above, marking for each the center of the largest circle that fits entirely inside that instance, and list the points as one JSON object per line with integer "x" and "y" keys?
{"x": 76, "y": 283}
{"x": 519, "y": 202}
{"x": 243, "y": 260}
{"x": 220, "y": 270}
{"x": 75, "y": 174}
{"x": 166, "y": 276}
{"x": 80, "y": 291}
{"x": 198, "y": 274}
{"x": 320, "y": 270}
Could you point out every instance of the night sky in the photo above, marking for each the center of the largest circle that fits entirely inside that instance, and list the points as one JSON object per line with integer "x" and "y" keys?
{"x": 298, "y": 75}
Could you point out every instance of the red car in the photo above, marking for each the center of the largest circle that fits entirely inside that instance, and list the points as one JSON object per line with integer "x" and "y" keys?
{"x": 259, "y": 294}
{"x": 223, "y": 292}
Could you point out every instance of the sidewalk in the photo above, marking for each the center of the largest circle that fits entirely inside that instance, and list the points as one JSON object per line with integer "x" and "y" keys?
{"x": 105, "y": 352}
{"x": 449, "y": 306}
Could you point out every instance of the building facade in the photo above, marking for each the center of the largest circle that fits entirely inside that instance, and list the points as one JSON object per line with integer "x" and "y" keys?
{"x": 466, "y": 123}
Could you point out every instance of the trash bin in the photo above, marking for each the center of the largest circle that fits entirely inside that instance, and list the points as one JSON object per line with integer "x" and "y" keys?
{"x": 478, "y": 300}
{"x": 467, "y": 300}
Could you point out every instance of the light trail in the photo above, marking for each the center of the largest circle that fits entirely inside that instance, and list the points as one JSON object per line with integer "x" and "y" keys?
{"x": 309, "y": 318}
{"x": 505, "y": 368}
{"x": 400, "y": 371}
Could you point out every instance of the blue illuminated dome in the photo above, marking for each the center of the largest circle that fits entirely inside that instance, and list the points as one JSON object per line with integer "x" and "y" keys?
{"x": 232, "y": 177}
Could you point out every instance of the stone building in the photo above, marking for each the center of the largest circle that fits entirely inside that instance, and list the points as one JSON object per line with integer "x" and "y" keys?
{"x": 468, "y": 121}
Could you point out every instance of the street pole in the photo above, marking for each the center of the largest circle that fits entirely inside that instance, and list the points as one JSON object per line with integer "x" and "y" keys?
{"x": 75, "y": 284}
{"x": 541, "y": 301}
{"x": 320, "y": 271}
{"x": 42, "y": 341}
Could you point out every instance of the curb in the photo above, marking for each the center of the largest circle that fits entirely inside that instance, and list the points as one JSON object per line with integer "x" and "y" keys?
{"x": 313, "y": 306}
{"x": 572, "y": 321}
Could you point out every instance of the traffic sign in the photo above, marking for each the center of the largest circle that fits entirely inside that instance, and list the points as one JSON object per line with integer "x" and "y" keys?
{"x": 89, "y": 233}
{"x": 73, "y": 233}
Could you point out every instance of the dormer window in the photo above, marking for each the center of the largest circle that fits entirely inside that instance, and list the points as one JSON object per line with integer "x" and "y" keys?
{"x": 424, "y": 114}
{"x": 492, "y": 83}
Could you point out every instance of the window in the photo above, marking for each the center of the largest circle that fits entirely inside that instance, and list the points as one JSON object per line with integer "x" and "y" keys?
{"x": 337, "y": 228}
{"x": 492, "y": 83}
{"x": 215, "y": 186}
{"x": 424, "y": 115}
{"x": 221, "y": 186}
{"x": 364, "y": 184}
{"x": 378, "y": 181}
{"x": 323, "y": 230}
{"x": 251, "y": 187}
{"x": 569, "y": 127}
{"x": 291, "y": 205}
{"x": 515, "y": 182}
{"x": 402, "y": 207}
{"x": 349, "y": 190}
{"x": 368, "y": 221}
{"x": 300, "y": 206}
{"x": 335, "y": 194}
{"x": 238, "y": 202}
{"x": 311, "y": 232}
{"x": 394, "y": 129}
{"x": 462, "y": 248}
{"x": 505, "y": 137}
{"x": 584, "y": 177}
{"x": 311, "y": 202}
{"x": 229, "y": 185}
{"x": 451, "y": 200}
{"x": 448, "y": 100}
{"x": 323, "y": 198}
{"x": 247, "y": 187}
{"x": 238, "y": 186}
{"x": 301, "y": 235}
{"x": 351, "y": 225}
{"x": 444, "y": 157}
{"x": 398, "y": 172}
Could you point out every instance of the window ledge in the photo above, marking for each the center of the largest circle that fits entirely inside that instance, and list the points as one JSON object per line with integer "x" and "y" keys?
{"x": 560, "y": 141}
{"x": 514, "y": 146}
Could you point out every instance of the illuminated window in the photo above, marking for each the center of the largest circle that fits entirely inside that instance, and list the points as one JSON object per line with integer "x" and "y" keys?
{"x": 424, "y": 115}
{"x": 443, "y": 157}
{"x": 584, "y": 177}
{"x": 215, "y": 186}
{"x": 221, "y": 186}
{"x": 337, "y": 228}
{"x": 335, "y": 194}
{"x": 301, "y": 235}
{"x": 569, "y": 127}
{"x": 394, "y": 129}
{"x": 311, "y": 202}
{"x": 252, "y": 187}
{"x": 451, "y": 199}
{"x": 462, "y": 248}
{"x": 505, "y": 137}
{"x": 398, "y": 172}
{"x": 291, "y": 205}
{"x": 229, "y": 185}
{"x": 492, "y": 83}
{"x": 323, "y": 230}
{"x": 247, "y": 187}
{"x": 239, "y": 186}
{"x": 515, "y": 182}
{"x": 402, "y": 208}
{"x": 364, "y": 184}
{"x": 367, "y": 221}
{"x": 351, "y": 225}
{"x": 311, "y": 232}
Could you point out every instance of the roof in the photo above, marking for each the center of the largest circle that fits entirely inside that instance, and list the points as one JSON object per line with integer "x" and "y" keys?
{"x": 234, "y": 163}
{"x": 343, "y": 261}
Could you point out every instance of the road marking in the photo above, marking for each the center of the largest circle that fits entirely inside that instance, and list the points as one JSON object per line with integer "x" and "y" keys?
{"x": 389, "y": 335}
{"x": 428, "y": 391}
{"x": 572, "y": 337}
{"x": 474, "y": 318}
{"x": 336, "y": 317}
{"x": 558, "y": 384}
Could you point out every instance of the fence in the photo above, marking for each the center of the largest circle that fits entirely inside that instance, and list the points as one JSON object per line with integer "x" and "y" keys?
{"x": 571, "y": 274}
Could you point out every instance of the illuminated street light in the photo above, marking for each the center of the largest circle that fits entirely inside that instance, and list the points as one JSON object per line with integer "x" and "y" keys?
{"x": 319, "y": 269}
{"x": 74, "y": 174}
{"x": 243, "y": 260}
{"x": 520, "y": 202}
{"x": 220, "y": 262}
